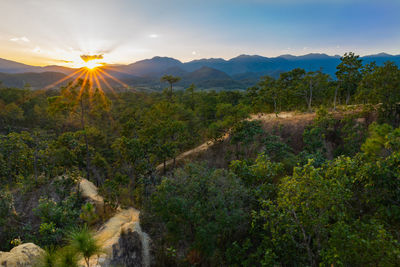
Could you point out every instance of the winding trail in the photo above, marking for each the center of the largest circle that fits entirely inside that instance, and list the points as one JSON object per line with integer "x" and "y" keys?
{"x": 192, "y": 153}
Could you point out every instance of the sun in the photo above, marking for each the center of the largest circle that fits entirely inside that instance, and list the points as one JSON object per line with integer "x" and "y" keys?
{"x": 92, "y": 64}
{"x": 92, "y": 71}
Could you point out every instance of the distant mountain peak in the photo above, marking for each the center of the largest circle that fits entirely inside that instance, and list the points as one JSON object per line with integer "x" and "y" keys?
{"x": 212, "y": 59}
{"x": 208, "y": 72}
{"x": 164, "y": 59}
{"x": 244, "y": 56}
{"x": 380, "y": 55}
{"x": 315, "y": 56}
{"x": 287, "y": 56}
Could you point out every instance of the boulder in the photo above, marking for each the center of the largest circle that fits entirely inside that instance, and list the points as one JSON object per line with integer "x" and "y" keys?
{"x": 128, "y": 250}
{"x": 122, "y": 241}
{"x": 24, "y": 255}
{"x": 90, "y": 193}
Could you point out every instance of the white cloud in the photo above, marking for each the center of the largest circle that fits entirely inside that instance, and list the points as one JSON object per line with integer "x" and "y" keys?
{"x": 20, "y": 39}
{"x": 153, "y": 35}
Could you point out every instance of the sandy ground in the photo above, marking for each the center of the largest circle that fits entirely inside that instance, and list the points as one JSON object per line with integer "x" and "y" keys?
{"x": 265, "y": 118}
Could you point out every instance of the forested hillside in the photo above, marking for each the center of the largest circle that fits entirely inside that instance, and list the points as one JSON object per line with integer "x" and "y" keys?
{"x": 301, "y": 170}
{"x": 237, "y": 73}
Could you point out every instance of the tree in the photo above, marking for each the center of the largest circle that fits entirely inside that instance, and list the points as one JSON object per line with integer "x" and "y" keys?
{"x": 349, "y": 75}
{"x": 17, "y": 156}
{"x": 170, "y": 80}
{"x": 381, "y": 85}
{"x": 271, "y": 92}
{"x": 48, "y": 258}
{"x": 365, "y": 86}
{"x": 67, "y": 257}
{"x": 313, "y": 85}
{"x": 289, "y": 83}
{"x": 203, "y": 207}
{"x": 244, "y": 134}
{"x": 83, "y": 242}
{"x": 190, "y": 90}
{"x": 81, "y": 99}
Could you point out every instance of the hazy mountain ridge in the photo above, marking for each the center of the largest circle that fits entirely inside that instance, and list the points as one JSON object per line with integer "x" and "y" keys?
{"x": 239, "y": 72}
{"x": 32, "y": 80}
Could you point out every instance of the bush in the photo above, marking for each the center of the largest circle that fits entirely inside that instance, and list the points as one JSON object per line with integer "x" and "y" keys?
{"x": 202, "y": 211}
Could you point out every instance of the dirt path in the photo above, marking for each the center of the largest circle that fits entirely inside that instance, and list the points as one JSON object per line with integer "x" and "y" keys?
{"x": 192, "y": 153}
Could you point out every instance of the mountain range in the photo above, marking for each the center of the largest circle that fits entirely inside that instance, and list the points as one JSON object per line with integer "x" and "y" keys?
{"x": 213, "y": 73}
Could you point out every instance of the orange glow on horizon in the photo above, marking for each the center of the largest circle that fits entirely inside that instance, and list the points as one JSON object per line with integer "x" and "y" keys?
{"x": 92, "y": 64}
{"x": 92, "y": 77}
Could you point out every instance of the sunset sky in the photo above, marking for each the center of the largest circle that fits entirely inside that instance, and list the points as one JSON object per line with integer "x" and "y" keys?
{"x": 44, "y": 32}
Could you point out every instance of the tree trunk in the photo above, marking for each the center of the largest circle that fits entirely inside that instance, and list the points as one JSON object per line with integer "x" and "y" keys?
{"x": 310, "y": 98}
{"x": 170, "y": 92}
{"x": 35, "y": 166}
{"x": 165, "y": 166}
{"x": 86, "y": 139}
{"x": 334, "y": 99}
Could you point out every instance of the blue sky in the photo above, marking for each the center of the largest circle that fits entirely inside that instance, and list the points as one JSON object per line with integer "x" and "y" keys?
{"x": 45, "y": 32}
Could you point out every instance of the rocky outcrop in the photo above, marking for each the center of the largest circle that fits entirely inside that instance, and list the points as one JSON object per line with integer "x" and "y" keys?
{"x": 24, "y": 255}
{"x": 121, "y": 237}
{"x": 123, "y": 241}
{"x": 125, "y": 252}
{"x": 90, "y": 193}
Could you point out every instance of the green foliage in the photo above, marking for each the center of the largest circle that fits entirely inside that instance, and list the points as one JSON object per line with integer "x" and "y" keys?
{"x": 83, "y": 242}
{"x": 316, "y": 208}
{"x": 279, "y": 151}
{"x": 6, "y": 206}
{"x": 56, "y": 218}
{"x": 349, "y": 74}
{"x": 170, "y": 80}
{"x": 377, "y": 143}
{"x": 48, "y": 258}
{"x": 244, "y": 134}
{"x": 352, "y": 134}
{"x": 315, "y": 138}
{"x": 67, "y": 257}
{"x": 325, "y": 216}
{"x": 260, "y": 172}
{"x": 381, "y": 85}
{"x": 89, "y": 214}
{"x": 201, "y": 206}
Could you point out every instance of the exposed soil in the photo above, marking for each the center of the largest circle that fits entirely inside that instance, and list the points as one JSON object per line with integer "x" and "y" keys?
{"x": 288, "y": 125}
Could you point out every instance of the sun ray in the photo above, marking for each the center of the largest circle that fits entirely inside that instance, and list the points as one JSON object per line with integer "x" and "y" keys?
{"x": 91, "y": 86}
{"x": 83, "y": 85}
{"x": 96, "y": 76}
{"x": 44, "y": 90}
{"x": 63, "y": 79}
{"x": 97, "y": 80}
{"x": 113, "y": 78}
{"x": 108, "y": 85}
{"x": 75, "y": 80}
{"x": 111, "y": 68}
{"x": 99, "y": 85}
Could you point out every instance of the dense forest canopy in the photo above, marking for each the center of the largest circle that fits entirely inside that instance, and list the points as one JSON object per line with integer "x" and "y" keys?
{"x": 332, "y": 199}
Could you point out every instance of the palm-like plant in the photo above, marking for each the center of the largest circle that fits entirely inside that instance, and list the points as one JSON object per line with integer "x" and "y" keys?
{"x": 83, "y": 242}
{"x": 67, "y": 257}
{"x": 48, "y": 258}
